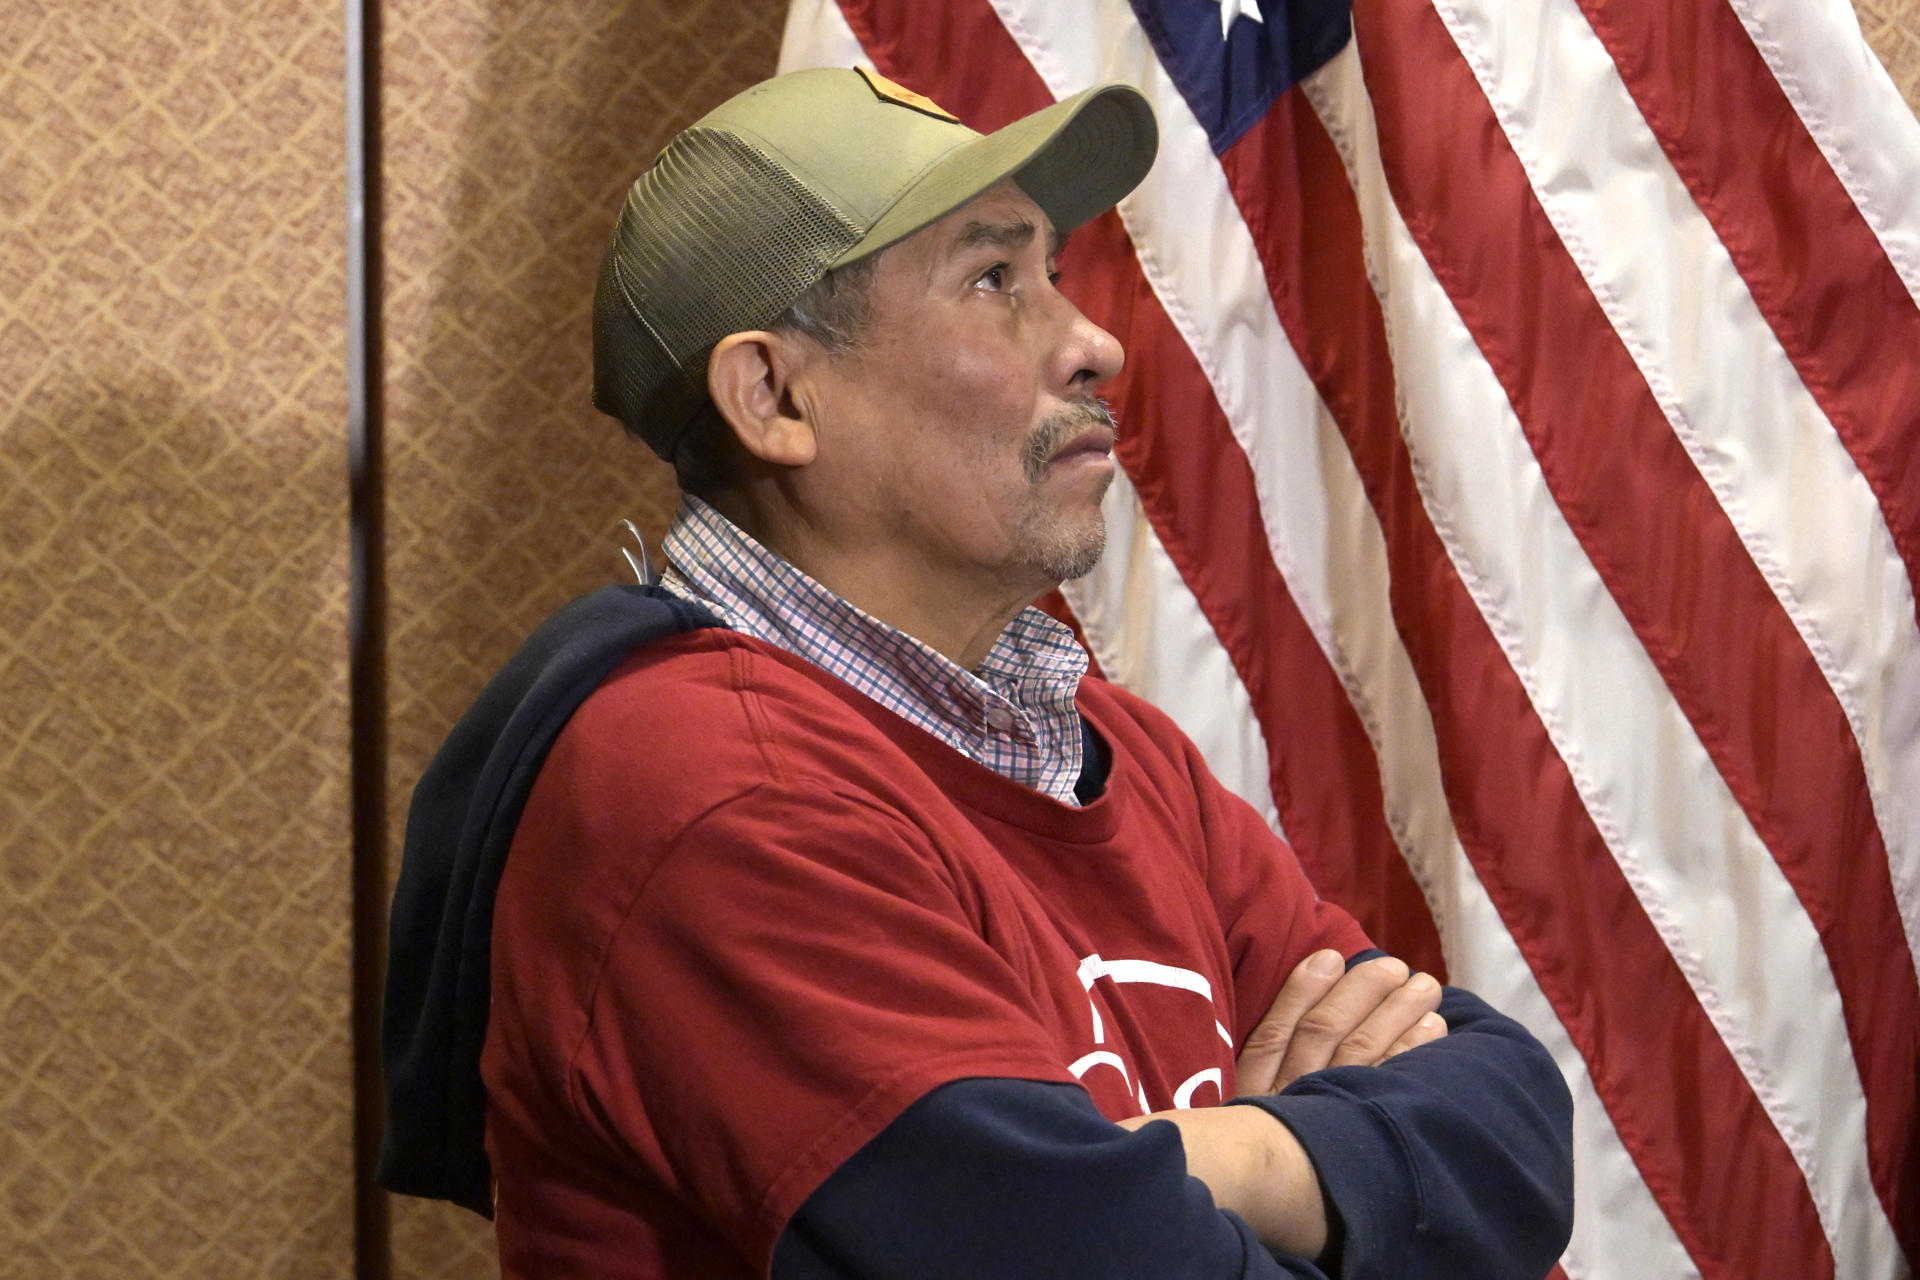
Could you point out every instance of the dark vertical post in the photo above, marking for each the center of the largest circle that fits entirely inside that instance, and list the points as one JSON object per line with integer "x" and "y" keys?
{"x": 367, "y": 657}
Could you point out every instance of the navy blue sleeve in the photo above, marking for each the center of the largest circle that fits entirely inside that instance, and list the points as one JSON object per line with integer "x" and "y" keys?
{"x": 1011, "y": 1179}
{"x": 1455, "y": 1159}
{"x": 1452, "y": 1160}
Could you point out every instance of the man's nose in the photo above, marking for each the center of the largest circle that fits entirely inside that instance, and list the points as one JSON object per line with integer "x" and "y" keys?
{"x": 1089, "y": 357}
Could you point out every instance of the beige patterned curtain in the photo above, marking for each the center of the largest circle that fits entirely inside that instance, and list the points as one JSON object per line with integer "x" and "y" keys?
{"x": 512, "y": 131}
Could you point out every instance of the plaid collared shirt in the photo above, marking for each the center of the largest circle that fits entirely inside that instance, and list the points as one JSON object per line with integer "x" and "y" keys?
{"x": 1015, "y": 713}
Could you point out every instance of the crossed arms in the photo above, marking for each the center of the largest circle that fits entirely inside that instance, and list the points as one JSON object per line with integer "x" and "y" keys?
{"x": 1327, "y": 1015}
{"x": 1448, "y": 1163}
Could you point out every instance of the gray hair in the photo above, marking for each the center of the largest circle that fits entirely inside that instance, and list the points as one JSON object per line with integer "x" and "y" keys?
{"x": 835, "y": 314}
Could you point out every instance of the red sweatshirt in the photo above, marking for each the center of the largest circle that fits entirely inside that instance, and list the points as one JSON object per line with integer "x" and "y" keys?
{"x": 750, "y": 916}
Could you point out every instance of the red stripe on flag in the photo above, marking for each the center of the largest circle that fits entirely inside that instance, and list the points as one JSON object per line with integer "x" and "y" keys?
{"x": 1597, "y": 957}
{"x": 1198, "y": 489}
{"x": 1811, "y": 262}
{"x": 1324, "y": 774}
{"x": 1660, "y": 541}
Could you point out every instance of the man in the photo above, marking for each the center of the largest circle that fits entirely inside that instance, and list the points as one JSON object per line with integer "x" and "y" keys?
{"x": 842, "y": 928}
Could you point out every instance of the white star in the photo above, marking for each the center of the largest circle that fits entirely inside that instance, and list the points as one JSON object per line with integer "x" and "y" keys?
{"x": 1231, "y": 9}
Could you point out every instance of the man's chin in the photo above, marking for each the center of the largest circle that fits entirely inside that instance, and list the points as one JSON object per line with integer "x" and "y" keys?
{"x": 1062, "y": 554}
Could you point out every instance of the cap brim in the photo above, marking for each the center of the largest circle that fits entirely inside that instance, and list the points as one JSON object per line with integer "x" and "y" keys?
{"x": 1076, "y": 159}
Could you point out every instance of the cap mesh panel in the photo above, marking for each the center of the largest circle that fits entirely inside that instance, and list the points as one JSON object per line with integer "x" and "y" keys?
{"x": 714, "y": 239}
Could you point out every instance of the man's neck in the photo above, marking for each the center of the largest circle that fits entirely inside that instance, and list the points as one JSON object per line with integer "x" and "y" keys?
{"x": 956, "y": 616}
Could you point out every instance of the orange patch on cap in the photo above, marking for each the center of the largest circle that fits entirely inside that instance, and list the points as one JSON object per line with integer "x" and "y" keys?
{"x": 888, "y": 91}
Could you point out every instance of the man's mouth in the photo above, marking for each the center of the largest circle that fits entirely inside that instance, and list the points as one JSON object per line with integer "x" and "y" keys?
{"x": 1097, "y": 441}
{"x": 1085, "y": 430}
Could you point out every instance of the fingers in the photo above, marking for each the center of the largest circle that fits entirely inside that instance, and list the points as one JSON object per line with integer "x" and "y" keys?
{"x": 1397, "y": 1016}
{"x": 1308, "y": 984}
{"x": 1360, "y": 1019}
{"x": 1431, "y": 1027}
{"x": 1328, "y": 1016}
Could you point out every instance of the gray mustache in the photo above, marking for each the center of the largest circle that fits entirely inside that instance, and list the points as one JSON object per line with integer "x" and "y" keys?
{"x": 1055, "y": 432}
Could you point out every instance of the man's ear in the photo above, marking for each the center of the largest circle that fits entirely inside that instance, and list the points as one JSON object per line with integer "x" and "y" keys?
{"x": 748, "y": 376}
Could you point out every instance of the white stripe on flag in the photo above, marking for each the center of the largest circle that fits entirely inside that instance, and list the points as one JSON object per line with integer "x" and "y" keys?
{"x": 1618, "y": 1226}
{"x": 1781, "y": 474}
{"x": 1869, "y": 135}
{"x": 1853, "y": 110}
{"x": 1149, "y": 636}
{"x": 1707, "y": 882}
{"x": 1619, "y": 1232}
{"x": 1790, "y": 488}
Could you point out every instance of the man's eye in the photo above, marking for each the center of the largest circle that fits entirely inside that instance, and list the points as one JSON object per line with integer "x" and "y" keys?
{"x": 995, "y": 276}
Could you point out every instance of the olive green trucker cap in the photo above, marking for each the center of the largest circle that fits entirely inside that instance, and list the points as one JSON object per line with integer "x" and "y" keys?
{"x": 750, "y": 206}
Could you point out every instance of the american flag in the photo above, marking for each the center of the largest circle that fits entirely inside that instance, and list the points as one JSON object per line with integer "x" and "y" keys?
{"x": 1521, "y": 429}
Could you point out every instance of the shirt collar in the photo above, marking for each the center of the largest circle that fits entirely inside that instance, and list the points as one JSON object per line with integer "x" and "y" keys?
{"x": 1014, "y": 713}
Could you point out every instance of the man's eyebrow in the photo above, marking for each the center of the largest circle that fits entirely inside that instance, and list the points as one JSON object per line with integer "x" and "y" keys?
{"x": 1010, "y": 234}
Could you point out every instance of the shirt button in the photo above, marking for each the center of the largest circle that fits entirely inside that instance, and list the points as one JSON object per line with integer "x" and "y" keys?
{"x": 999, "y": 719}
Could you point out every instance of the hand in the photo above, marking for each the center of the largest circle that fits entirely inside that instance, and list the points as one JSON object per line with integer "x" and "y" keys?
{"x": 1324, "y": 1017}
